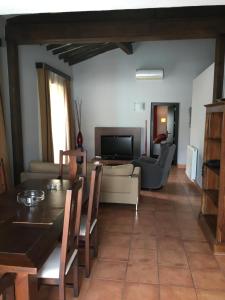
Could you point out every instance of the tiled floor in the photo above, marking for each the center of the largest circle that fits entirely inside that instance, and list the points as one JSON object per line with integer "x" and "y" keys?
{"x": 158, "y": 253}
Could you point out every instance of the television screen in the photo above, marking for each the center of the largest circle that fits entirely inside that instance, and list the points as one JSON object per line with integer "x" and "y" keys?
{"x": 117, "y": 146}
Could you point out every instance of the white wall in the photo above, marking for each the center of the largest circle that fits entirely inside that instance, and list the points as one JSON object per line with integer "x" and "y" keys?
{"x": 28, "y": 56}
{"x": 108, "y": 87}
{"x": 202, "y": 94}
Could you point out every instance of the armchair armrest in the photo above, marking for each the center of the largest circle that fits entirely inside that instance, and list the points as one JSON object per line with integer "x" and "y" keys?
{"x": 151, "y": 175}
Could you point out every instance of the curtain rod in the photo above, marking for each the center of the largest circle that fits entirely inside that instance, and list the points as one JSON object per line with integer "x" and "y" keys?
{"x": 46, "y": 66}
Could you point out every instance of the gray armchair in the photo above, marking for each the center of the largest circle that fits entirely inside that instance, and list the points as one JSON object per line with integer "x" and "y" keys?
{"x": 155, "y": 175}
{"x": 152, "y": 160}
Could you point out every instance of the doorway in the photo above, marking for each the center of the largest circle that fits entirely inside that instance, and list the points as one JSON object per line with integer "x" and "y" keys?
{"x": 164, "y": 126}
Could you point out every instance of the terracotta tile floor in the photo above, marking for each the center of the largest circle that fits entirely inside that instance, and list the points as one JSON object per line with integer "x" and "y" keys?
{"x": 157, "y": 253}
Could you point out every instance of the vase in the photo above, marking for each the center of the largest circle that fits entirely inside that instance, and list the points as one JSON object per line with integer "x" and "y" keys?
{"x": 79, "y": 139}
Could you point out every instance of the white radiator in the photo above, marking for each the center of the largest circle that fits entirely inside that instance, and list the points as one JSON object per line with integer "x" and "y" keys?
{"x": 191, "y": 164}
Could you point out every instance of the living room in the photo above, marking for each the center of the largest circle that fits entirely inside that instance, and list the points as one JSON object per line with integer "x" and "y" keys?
{"x": 108, "y": 90}
{"x": 114, "y": 74}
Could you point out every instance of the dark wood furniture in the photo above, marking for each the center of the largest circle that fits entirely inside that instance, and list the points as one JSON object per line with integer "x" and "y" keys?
{"x": 134, "y": 131}
{"x": 7, "y": 282}
{"x": 88, "y": 228}
{"x": 65, "y": 255}
{"x": 28, "y": 235}
{"x": 212, "y": 217}
{"x": 3, "y": 182}
{"x": 73, "y": 156}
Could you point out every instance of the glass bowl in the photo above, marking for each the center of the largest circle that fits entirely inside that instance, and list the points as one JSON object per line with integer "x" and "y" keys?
{"x": 30, "y": 197}
{"x": 51, "y": 187}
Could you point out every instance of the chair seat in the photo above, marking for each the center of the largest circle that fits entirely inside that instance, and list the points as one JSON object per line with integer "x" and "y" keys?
{"x": 50, "y": 269}
{"x": 83, "y": 225}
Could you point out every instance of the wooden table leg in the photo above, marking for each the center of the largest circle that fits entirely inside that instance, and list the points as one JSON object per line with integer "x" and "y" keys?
{"x": 25, "y": 287}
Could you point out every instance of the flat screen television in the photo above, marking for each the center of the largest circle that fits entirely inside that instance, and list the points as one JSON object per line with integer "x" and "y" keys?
{"x": 117, "y": 146}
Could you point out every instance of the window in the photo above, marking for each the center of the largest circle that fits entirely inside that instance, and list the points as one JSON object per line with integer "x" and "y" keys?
{"x": 59, "y": 114}
{"x": 56, "y": 112}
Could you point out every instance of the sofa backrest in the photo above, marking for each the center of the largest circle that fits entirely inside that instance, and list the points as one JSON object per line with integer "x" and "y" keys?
{"x": 120, "y": 170}
{"x": 43, "y": 167}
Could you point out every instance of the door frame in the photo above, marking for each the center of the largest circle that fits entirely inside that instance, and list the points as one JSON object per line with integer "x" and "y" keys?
{"x": 176, "y": 120}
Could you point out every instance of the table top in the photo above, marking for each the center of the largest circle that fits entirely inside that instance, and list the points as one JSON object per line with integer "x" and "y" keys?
{"x": 28, "y": 234}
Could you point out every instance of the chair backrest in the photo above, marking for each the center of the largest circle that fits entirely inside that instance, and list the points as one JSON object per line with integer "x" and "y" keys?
{"x": 3, "y": 183}
{"x": 73, "y": 155}
{"x": 167, "y": 164}
{"x": 94, "y": 195}
{"x": 7, "y": 280}
{"x": 71, "y": 228}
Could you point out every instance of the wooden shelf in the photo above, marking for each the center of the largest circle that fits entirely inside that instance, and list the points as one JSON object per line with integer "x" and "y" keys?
{"x": 212, "y": 218}
{"x": 209, "y": 224}
{"x": 213, "y": 195}
{"x": 215, "y": 170}
{"x": 216, "y": 139}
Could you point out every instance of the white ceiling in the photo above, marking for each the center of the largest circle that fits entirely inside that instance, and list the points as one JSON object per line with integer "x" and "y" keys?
{"x": 10, "y": 7}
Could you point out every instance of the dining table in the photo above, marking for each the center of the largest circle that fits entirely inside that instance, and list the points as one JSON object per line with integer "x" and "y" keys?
{"x": 29, "y": 234}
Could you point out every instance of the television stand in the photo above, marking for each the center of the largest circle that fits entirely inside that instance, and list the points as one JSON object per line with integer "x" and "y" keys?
{"x": 111, "y": 162}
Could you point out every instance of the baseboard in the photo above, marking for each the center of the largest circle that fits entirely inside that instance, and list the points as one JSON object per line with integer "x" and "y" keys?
{"x": 197, "y": 186}
{"x": 181, "y": 166}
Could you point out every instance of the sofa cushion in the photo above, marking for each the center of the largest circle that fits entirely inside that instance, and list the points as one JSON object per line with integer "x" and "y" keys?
{"x": 45, "y": 167}
{"x": 120, "y": 170}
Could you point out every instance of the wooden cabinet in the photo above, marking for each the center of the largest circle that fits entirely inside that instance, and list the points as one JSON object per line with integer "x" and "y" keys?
{"x": 212, "y": 215}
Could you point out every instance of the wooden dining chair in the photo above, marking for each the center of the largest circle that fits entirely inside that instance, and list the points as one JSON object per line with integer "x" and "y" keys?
{"x": 74, "y": 156}
{"x": 88, "y": 226}
{"x": 3, "y": 182}
{"x": 65, "y": 255}
{"x": 7, "y": 282}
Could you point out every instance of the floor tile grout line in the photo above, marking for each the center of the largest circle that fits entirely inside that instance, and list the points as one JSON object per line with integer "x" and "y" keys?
{"x": 124, "y": 283}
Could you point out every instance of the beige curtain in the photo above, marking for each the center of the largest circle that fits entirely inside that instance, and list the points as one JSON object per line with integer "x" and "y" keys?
{"x": 57, "y": 114}
{"x": 3, "y": 146}
{"x": 45, "y": 112}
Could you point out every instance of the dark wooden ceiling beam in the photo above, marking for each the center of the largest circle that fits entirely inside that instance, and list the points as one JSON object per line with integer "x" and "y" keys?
{"x": 123, "y": 31}
{"x": 117, "y": 26}
{"x": 66, "y": 48}
{"x": 82, "y": 50}
{"x": 219, "y": 68}
{"x": 53, "y": 46}
{"x": 94, "y": 52}
{"x": 126, "y": 47}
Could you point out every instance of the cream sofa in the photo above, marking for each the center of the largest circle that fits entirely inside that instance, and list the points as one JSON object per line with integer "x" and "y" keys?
{"x": 120, "y": 184}
{"x": 42, "y": 170}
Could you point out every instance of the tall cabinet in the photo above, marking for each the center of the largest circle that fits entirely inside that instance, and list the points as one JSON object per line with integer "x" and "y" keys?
{"x": 212, "y": 215}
